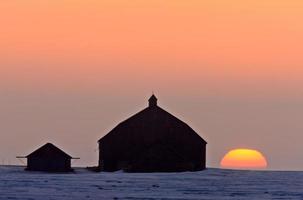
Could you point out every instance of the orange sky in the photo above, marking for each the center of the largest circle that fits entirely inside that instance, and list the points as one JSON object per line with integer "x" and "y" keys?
{"x": 203, "y": 51}
{"x": 233, "y": 38}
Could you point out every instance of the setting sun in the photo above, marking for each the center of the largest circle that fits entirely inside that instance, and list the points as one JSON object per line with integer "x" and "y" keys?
{"x": 244, "y": 159}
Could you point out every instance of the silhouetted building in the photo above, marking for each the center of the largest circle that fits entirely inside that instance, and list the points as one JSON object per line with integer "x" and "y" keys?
{"x": 49, "y": 158}
{"x": 152, "y": 140}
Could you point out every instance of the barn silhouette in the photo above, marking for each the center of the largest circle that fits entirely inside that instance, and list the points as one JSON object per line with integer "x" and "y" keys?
{"x": 152, "y": 140}
{"x": 48, "y": 158}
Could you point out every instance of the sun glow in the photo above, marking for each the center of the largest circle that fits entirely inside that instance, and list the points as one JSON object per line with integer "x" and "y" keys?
{"x": 244, "y": 159}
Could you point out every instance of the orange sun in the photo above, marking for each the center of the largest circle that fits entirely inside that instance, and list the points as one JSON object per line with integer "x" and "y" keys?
{"x": 244, "y": 159}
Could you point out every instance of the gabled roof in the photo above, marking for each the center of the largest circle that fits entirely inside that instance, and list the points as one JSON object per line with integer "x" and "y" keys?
{"x": 48, "y": 150}
{"x": 150, "y": 120}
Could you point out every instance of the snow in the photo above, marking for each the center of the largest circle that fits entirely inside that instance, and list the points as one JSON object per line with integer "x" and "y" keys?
{"x": 213, "y": 184}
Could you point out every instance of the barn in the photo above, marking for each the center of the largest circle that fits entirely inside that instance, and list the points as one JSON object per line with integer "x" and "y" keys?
{"x": 152, "y": 140}
{"x": 49, "y": 158}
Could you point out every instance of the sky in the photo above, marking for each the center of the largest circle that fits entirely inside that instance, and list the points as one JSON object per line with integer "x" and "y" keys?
{"x": 70, "y": 70}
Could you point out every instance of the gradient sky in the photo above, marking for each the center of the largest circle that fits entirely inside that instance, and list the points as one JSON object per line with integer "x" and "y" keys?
{"x": 70, "y": 70}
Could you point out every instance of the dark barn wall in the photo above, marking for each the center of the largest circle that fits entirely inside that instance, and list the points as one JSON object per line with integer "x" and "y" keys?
{"x": 113, "y": 158}
{"x": 118, "y": 153}
{"x": 49, "y": 164}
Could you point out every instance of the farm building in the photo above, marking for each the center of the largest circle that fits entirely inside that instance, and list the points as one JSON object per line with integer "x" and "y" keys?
{"x": 49, "y": 158}
{"x": 152, "y": 140}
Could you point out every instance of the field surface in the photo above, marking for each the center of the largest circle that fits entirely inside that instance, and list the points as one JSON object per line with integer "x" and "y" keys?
{"x": 215, "y": 184}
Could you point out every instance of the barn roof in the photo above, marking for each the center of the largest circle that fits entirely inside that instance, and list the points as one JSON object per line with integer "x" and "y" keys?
{"x": 151, "y": 119}
{"x": 48, "y": 150}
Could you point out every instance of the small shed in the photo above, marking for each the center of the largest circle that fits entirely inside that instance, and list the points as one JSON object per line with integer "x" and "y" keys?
{"x": 49, "y": 158}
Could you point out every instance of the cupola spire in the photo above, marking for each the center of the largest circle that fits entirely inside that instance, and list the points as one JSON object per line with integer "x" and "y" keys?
{"x": 152, "y": 101}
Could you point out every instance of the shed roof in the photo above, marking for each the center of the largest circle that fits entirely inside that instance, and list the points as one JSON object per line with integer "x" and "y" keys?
{"x": 48, "y": 150}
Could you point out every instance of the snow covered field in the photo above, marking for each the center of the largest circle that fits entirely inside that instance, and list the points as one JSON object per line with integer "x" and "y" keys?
{"x": 217, "y": 184}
